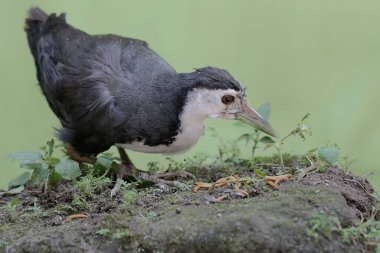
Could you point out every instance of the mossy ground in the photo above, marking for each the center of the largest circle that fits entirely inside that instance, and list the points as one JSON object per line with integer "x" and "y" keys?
{"x": 314, "y": 214}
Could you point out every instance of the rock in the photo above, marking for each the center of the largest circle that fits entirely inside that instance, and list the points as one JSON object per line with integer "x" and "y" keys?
{"x": 302, "y": 216}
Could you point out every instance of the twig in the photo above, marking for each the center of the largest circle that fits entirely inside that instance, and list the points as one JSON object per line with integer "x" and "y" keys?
{"x": 357, "y": 182}
{"x": 306, "y": 171}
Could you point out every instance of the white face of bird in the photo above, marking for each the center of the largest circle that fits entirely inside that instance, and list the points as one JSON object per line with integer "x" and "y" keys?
{"x": 225, "y": 104}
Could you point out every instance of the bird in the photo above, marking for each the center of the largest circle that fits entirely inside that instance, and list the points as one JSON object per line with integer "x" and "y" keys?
{"x": 109, "y": 90}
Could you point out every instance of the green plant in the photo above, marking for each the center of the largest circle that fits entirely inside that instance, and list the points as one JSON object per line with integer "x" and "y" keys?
{"x": 91, "y": 184}
{"x": 45, "y": 167}
{"x": 153, "y": 167}
{"x": 197, "y": 161}
{"x": 320, "y": 159}
{"x": 346, "y": 161}
{"x": 103, "y": 231}
{"x": 84, "y": 188}
{"x": 228, "y": 151}
{"x": 301, "y": 130}
{"x": 321, "y": 225}
{"x": 104, "y": 164}
{"x": 151, "y": 215}
{"x": 366, "y": 231}
{"x": 129, "y": 196}
{"x": 64, "y": 208}
{"x": 34, "y": 211}
{"x": 11, "y": 208}
{"x": 121, "y": 233}
{"x": 79, "y": 202}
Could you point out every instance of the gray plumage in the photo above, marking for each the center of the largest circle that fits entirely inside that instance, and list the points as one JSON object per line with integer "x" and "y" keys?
{"x": 107, "y": 89}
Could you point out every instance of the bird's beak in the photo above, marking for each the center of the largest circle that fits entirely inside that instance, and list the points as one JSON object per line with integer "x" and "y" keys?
{"x": 251, "y": 117}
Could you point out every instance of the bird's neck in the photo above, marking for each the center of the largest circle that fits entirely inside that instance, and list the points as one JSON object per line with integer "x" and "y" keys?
{"x": 192, "y": 104}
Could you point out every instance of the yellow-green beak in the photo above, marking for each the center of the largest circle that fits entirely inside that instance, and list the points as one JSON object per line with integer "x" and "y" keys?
{"x": 249, "y": 116}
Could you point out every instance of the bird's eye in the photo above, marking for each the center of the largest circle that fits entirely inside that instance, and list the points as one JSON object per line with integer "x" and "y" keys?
{"x": 227, "y": 99}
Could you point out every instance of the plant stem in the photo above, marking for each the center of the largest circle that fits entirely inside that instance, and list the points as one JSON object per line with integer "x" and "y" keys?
{"x": 279, "y": 145}
{"x": 256, "y": 141}
{"x": 281, "y": 159}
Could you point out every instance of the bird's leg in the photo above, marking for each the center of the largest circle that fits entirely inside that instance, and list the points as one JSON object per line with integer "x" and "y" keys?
{"x": 74, "y": 155}
{"x": 128, "y": 169}
{"x": 154, "y": 178}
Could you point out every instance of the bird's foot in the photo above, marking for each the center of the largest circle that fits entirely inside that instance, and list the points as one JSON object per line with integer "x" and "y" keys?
{"x": 167, "y": 178}
{"x": 275, "y": 180}
{"x": 156, "y": 178}
{"x": 116, "y": 188}
{"x": 224, "y": 182}
{"x": 124, "y": 170}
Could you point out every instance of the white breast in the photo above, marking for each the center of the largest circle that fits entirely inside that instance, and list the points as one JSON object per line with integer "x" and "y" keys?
{"x": 191, "y": 130}
{"x": 200, "y": 104}
{"x": 183, "y": 142}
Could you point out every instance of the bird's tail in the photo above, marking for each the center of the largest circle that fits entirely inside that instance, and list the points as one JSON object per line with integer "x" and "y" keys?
{"x": 33, "y": 27}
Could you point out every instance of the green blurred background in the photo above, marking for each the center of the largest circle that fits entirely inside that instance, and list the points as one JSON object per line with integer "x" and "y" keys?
{"x": 320, "y": 57}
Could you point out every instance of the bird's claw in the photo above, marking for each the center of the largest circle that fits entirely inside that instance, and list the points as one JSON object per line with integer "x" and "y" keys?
{"x": 158, "y": 178}
{"x": 117, "y": 186}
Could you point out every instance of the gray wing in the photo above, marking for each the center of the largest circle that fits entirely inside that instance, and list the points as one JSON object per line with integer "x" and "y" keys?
{"x": 91, "y": 81}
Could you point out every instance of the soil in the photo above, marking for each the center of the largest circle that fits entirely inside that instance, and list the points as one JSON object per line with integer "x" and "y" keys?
{"x": 303, "y": 215}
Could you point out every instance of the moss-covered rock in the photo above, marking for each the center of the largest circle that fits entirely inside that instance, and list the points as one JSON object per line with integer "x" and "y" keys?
{"x": 303, "y": 216}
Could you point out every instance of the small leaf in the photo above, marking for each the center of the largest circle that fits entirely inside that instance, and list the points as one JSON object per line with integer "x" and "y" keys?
{"x": 305, "y": 117}
{"x": 264, "y": 110}
{"x": 267, "y": 146}
{"x": 32, "y": 165}
{"x": 259, "y": 173}
{"x": 40, "y": 174}
{"x": 54, "y": 178}
{"x": 246, "y": 137}
{"x": 312, "y": 150}
{"x": 50, "y": 145}
{"x": 53, "y": 161}
{"x": 266, "y": 139}
{"x": 152, "y": 215}
{"x": 102, "y": 164}
{"x": 68, "y": 169}
{"x": 14, "y": 203}
{"x": 20, "y": 180}
{"x": 16, "y": 190}
{"x": 103, "y": 231}
{"x": 25, "y": 156}
{"x": 329, "y": 154}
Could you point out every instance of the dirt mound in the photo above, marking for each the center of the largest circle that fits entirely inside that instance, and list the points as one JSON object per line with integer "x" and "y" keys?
{"x": 315, "y": 214}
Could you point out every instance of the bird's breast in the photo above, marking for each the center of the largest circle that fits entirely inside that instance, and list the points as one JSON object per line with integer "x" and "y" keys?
{"x": 187, "y": 137}
{"x": 191, "y": 128}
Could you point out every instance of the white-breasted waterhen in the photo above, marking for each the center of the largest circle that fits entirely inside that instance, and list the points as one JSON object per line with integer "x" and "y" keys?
{"x": 110, "y": 90}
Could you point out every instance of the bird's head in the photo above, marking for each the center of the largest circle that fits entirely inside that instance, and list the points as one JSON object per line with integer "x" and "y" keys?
{"x": 215, "y": 93}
